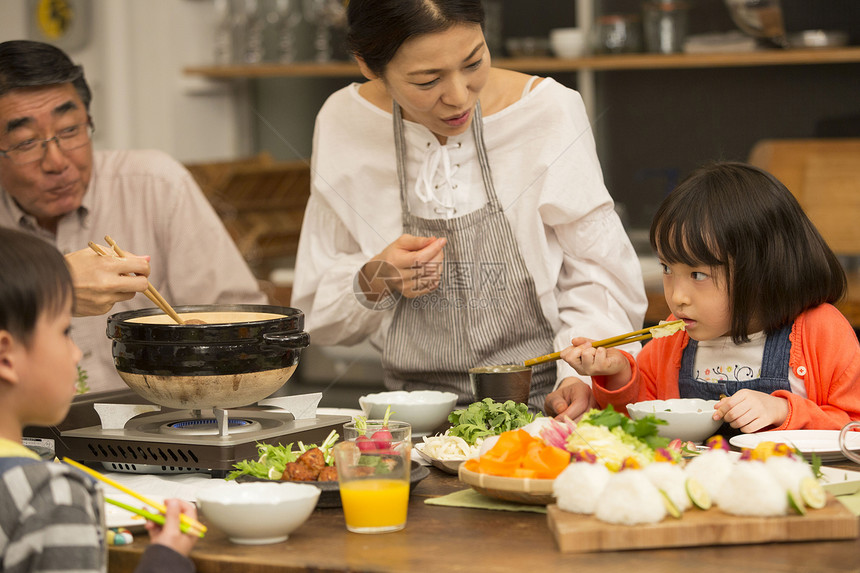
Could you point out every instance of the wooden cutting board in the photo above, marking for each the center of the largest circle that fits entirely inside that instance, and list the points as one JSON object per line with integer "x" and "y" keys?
{"x": 575, "y": 533}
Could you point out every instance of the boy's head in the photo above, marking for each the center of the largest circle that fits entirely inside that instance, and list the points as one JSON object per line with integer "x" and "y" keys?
{"x": 37, "y": 356}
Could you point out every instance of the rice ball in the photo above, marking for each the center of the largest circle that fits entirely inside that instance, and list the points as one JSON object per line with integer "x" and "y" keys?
{"x": 630, "y": 498}
{"x": 789, "y": 472}
{"x": 710, "y": 469}
{"x": 750, "y": 489}
{"x": 579, "y": 486}
{"x": 672, "y": 479}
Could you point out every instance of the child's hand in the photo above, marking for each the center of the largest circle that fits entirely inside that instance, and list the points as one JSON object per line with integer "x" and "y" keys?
{"x": 169, "y": 534}
{"x": 750, "y": 411}
{"x": 590, "y": 361}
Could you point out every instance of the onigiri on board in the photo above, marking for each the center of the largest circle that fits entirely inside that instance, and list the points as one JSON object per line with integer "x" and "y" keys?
{"x": 761, "y": 498}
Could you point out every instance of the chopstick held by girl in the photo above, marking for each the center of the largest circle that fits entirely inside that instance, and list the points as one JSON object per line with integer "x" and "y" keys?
{"x": 754, "y": 282}
{"x": 50, "y": 513}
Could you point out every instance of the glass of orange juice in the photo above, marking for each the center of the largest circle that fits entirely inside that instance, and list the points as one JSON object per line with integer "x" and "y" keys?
{"x": 373, "y": 473}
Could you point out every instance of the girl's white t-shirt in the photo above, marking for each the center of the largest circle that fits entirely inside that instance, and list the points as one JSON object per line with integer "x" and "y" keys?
{"x": 721, "y": 360}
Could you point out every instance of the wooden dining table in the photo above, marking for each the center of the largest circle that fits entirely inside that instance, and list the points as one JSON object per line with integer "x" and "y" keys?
{"x": 438, "y": 538}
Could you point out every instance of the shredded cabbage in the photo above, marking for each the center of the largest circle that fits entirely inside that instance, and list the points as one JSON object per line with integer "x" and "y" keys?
{"x": 451, "y": 448}
{"x": 611, "y": 447}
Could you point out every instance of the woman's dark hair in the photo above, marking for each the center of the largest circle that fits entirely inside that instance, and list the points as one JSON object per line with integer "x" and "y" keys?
{"x": 28, "y": 64}
{"x": 377, "y": 28}
{"x": 741, "y": 218}
{"x": 33, "y": 280}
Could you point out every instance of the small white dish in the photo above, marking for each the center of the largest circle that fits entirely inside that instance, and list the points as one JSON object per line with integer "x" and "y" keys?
{"x": 822, "y": 443}
{"x": 424, "y": 410}
{"x": 258, "y": 513}
{"x": 837, "y": 481}
{"x": 688, "y": 419}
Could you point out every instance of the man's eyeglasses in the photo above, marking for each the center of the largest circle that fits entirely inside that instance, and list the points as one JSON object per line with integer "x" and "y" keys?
{"x": 67, "y": 139}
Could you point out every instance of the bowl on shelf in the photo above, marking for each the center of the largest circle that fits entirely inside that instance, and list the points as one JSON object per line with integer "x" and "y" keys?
{"x": 567, "y": 42}
{"x": 425, "y": 410}
{"x": 688, "y": 419}
{"x": 258, "y": 513}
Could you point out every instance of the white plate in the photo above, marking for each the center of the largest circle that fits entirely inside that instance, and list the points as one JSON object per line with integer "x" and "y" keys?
{"x": 119, "y": 517}
{"x": 823, "y": 443}
{"x": 840, "y": 482}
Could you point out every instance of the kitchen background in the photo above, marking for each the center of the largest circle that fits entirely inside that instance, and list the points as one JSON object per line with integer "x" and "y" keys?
{"x": 652, "y": 126}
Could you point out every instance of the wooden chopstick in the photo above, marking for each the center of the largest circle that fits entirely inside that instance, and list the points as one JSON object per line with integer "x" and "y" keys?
{"x": 147, "y": 292}
{"x": 150, "y": 292}
{"x": 156, "y": 517}
{"x": 193, "y": 523}
{"x": 635, "y": 336}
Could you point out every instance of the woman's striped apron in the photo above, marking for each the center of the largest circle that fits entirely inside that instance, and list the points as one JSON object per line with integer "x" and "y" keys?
{"x": 485, "y": 311}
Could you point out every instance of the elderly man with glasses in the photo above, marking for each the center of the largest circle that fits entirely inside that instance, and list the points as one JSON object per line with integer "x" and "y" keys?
{"x": 53, "y": 185}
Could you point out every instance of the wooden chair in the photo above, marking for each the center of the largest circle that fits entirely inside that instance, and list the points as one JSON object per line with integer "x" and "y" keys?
{"x": 262, "y": 204}
{"x": 824, "y": 176}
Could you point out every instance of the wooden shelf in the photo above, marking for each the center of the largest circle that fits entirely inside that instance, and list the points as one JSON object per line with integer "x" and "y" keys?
{"x": 597, "y": 63}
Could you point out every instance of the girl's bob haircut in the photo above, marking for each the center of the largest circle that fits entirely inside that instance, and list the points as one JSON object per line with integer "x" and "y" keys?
{"x": 743, "y": 220}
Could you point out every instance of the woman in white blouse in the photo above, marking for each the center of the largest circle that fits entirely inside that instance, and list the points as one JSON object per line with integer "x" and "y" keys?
{"x": 458, "y": 216}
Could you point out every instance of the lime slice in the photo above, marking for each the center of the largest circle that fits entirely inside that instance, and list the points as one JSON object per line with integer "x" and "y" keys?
{"x": 812, "y": 493}
{"x": 698, "y": 494}
{"x": 670, "y": 505}
{"x": 796, "y": 503}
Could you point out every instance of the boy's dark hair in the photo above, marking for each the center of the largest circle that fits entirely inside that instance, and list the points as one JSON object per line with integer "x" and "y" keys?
{"x": 29, "y": 64}
{"x": 741, "y": 218}
{"x": 377, "y": 28}
{"x": 34, "y": 279}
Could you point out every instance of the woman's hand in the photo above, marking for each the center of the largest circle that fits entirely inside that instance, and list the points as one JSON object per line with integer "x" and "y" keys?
{"x": 169, "y": 534}
{"x": 750, "y": 411}
{"x": 590, "y": 361}
{"x": 410, "y": 265}
{"x": 100, "y": 282}
{"x": 573, "y": 398}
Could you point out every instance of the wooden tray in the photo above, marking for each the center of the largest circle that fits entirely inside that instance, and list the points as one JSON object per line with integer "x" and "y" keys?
{"x": 575, "y": 533}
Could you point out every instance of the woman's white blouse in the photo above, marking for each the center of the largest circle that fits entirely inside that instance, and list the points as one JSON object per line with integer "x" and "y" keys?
{"x": 547, "y": 178}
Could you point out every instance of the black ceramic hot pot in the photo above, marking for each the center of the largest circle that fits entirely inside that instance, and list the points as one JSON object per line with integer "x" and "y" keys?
{"x": 241, "y": 355}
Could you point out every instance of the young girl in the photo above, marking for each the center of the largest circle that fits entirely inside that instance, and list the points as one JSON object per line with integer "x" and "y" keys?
{"x": 50, "y": 513}
{"x": 754, "y": 283}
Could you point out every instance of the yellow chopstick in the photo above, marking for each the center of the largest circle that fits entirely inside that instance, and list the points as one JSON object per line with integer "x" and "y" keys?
{"x": 160, "y": 507}
{"x": 635, "y": 336}
{"x": 156, "y": 517}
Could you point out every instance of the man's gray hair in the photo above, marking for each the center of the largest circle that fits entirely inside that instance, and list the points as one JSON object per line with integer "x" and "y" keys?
{"x": 28, "y": 64}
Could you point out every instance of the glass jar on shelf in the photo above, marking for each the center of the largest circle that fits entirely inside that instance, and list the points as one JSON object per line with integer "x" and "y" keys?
{"x": 617, "y": 34}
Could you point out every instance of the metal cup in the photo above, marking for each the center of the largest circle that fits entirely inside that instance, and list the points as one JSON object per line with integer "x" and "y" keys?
{"x": 502, "y": 383}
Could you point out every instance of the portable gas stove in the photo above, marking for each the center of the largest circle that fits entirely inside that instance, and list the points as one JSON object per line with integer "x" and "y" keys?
{"x": 132, "y": 435}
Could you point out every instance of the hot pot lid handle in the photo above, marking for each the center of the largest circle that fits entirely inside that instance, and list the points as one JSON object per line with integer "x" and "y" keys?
{"x": 288, "y": 339}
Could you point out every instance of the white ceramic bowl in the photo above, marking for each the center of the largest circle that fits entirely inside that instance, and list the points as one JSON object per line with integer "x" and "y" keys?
{"x": 256, "y": 513}
{"x": 567, "y": 42}
{"x": 425, "y": 410}
{"x": 688, "y": 418}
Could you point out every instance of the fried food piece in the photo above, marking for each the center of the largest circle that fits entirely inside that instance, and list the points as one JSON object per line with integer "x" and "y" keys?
{"x": 329, "y": 473}
{"x": 297, "y": 471}
{"x": 313, "y": 459}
